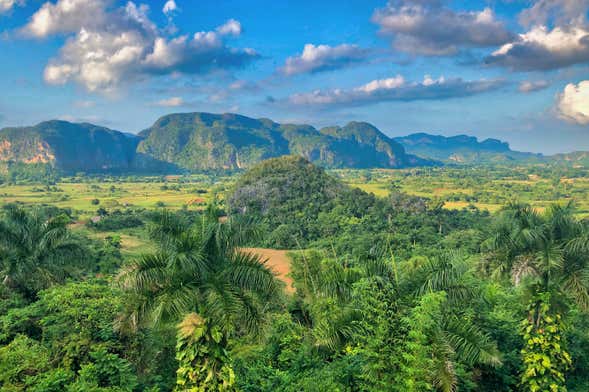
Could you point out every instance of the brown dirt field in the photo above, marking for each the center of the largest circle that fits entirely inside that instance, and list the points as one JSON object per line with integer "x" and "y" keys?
{"x": 278, "y": 261}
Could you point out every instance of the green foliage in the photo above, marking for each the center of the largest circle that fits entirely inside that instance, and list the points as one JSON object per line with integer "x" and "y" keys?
{"x": 300, "y": 205}
{"x": 203, "y": 360}
{"x": 21, "y": 360}
{"x": 546, "y": 254}
{"x": 19, "y": 173}
{"x": 234, "y": 141}
{"x": 199, "y": 270}
{"x": 544, "y": 355}
{"x": 106, "y": 372}
{"x": 69, "y": 147}
{"x": 117, "y": 220}
{"x": 392, "y": 293}
{"x": 71, "y": 333}
{"x": 36, "y": 251}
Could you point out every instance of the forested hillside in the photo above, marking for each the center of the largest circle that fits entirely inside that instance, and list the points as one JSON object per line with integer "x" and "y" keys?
{"x": 389, "y": 293}
{"x": 195, "y": 142}
{"x": 229, "y": 141}
{"x": 69, "y": 147}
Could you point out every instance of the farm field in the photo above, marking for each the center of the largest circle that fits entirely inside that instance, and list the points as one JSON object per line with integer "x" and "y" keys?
{"x": 84, "y": 198}
{"x": 458, "y": 188}
{"x": 485, "y": 188}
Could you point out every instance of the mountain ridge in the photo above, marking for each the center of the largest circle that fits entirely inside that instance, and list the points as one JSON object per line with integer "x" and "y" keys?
{"x": 232, "y": 141}
{"x": 200, "y": 141}
{"x": 463, "y": 149}
{"x": 185, "y": 142}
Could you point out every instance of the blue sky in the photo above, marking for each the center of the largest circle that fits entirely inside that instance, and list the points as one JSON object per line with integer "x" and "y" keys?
{"x": 516, "y": 70}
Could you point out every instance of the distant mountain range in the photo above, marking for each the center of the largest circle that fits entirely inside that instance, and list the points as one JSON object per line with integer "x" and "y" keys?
{"x": 200, "y": 141}
{"x": 463, "y": 149}
{"x": 203, "y": 141}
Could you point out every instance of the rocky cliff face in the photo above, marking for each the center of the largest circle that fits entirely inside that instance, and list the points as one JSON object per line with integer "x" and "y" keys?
{"x": 68, "y": 146}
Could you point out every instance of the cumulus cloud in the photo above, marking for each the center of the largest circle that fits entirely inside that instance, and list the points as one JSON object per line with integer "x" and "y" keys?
{"x": 318, "y": 58}
{"x": 7, "y": 5}
{"x": 429, "y": 28}
{"x": 232, "y": 27}
{"x": 108, "y": 47}
{"x": 395, "y": 89}
{"x": 560, "y": 12}
{"x": 66, "y": 16}
{"x": 544, "y": 49}
{"x": 573, "y": 104}
{"x": 171, "y": 102}
{"x": 170, "y": 7}
{"x": 528, "y": 86}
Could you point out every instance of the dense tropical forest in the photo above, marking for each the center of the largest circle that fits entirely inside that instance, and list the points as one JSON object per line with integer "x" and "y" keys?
{"x": 425, "y": 279}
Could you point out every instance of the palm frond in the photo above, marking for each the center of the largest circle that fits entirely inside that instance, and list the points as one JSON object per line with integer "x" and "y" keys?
{"x": 576, "y": 284}
{"x": 470, "y": 343}
{"x": 247, "y": 272}
{"x": 335, "y": 331}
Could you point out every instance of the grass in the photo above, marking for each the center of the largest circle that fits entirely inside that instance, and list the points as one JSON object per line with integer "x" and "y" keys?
{"x": 79, "y": 196}
{"x": 486, "y": 188}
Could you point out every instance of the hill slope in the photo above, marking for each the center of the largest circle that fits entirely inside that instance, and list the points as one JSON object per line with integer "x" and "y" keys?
{"x": 195, "y": 141}
{"x": 288, "y": 195}
{"x": 69, "y": 147}
{"x": 576, "y": 158}
{"x": 462, "y": 149}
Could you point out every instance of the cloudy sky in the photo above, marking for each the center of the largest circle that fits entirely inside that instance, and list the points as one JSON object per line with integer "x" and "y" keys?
{"x": 517, "y": 70}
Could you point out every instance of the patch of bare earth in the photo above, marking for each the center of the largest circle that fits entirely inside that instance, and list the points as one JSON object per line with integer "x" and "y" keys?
{"x": 278, "y": 261}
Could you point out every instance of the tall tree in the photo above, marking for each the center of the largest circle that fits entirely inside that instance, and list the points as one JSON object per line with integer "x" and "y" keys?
{"x": 547, "y": 254}
{"x": 199, "y": 276}
{"x": 36, "y": 251}
{"x": 443, "y": 333}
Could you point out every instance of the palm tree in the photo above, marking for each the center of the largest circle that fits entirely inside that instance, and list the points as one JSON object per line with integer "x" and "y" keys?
{"x": 549, "y": 251}
{"x": 547, "y": 254}
{"x": 199, "y": 275}
{"x": 441, "y": 335}
{"x": 35, "y": 251}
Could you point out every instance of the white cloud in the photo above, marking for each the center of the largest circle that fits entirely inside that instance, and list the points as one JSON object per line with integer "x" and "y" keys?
{"x": 232, "y": 27}
{"x": 383, "y": 84}
{"x": 112, "y": 47}
{"x": 573, "y": 103}
{"x": 7, "y": 5}
{"x": 170, "y": 7}
{"x": 561, "y": 12}
{"x": 395, "y": 89}
{"x": 429, "y": 28}
{"x": 323, "y": 58}
{"x": 544, "y": 49}
{"x": 528, "y": 86}
{"x": 66, "y": 16}
{"x": 171, "y": 102}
